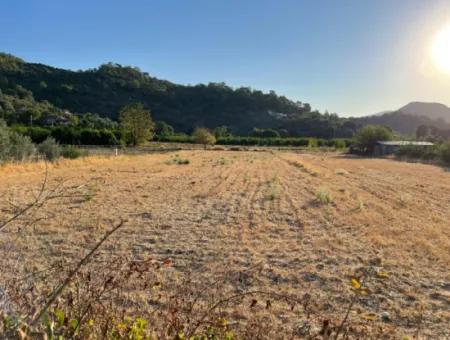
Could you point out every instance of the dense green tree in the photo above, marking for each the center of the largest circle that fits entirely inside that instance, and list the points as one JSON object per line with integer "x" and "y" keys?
{"x": 136, "y": 124}
{"x": 94, "y": 121}
{"x": 163, "y": 129}
{"x": 222, "y": 132}
{"x": 368, "y": 136}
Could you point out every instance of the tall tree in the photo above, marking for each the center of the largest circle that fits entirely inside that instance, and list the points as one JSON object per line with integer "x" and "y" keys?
{"x": 136, "y": 124}
{"x": 368, "y": 136}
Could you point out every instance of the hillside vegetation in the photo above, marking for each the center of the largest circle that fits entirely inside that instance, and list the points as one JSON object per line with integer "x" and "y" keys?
{"x": 36, "y": 94}
{"x": 38, "y": 90}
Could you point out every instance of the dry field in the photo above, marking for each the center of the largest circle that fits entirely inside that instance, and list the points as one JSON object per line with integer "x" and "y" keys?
{"x": 263, "y": 244}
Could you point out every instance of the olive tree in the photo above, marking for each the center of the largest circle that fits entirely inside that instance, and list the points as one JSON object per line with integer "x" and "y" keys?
{"x": 204, "y": 136}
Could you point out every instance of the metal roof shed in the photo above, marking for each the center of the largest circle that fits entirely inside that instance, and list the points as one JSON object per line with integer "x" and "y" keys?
{"x": 383, "y": 148}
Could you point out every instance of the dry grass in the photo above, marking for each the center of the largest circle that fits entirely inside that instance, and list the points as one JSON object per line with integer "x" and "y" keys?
{"x": 214, "y": 228}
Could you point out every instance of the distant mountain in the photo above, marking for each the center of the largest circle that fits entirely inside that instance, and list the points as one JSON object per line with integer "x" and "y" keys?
{"x": 32, "y": 92}
{"x": 401, "y": 122}
{"x": 408, "y": 118}
{"x": 430, "y": 110}
{"x": 382, "y": 113}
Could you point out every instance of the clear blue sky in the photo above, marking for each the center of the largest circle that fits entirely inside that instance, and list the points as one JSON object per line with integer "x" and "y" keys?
{"x": 352, "y": 57}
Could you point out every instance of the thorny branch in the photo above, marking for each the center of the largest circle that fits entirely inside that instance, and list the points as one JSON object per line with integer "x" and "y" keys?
{"x": 29, "y": 206}
{"x": 57, "y": 291}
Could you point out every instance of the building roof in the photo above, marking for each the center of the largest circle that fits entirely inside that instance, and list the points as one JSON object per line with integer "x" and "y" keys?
{"x": 404, "y": 143}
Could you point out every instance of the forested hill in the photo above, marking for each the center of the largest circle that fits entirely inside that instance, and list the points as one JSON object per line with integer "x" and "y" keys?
{"x": 34, "y": 92}
{"x": 37, "y": 90}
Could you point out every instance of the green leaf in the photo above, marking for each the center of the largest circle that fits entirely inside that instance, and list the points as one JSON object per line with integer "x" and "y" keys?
{"x": 73, "y": 324}
{"x": 60, "y": 317}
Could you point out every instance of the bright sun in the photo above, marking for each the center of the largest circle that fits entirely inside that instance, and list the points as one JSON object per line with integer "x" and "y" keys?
{"x": 441, "y": 49}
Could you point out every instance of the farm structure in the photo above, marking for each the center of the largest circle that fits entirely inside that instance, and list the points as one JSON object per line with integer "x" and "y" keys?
{"x": 384, "y": 148}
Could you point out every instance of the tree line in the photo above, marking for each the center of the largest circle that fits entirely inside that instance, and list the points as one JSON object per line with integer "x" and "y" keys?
{"x": 39, "y": 94}
{"x": 136, "y": 126}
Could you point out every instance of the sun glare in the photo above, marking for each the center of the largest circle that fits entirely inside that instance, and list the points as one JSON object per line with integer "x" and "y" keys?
{"x": 441, "y": 50}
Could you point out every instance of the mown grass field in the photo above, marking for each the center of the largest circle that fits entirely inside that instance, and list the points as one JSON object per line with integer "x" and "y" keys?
{"x": 262, "y": 244}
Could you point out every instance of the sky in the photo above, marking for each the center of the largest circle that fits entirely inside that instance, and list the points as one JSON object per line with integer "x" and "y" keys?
{"x": 351, "y": 57}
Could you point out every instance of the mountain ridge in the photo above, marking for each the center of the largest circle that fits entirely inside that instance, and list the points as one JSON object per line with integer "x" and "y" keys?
{"x": 31, "y": 92}
{"x": 106, "y": 89}
{"x": 429, "y": 109}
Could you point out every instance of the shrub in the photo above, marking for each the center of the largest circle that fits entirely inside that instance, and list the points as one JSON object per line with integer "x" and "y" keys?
{"x": 73, "y": 152}
{"x": 431, "y": 153}
{"x": 108, "y": 137}
{"x": 36, "y": 133}
{"x": 180, "y": 138}
{"x": 4, "y": 141}
{"x": 163, "y": 129}
{"x": 339, "y": 143}
{"x": 236, "y": 140}
{"x": 97, "y": 137}
{"x": 313, "y": 143}
{"x": 178, "y": 160}
{"x": 50, "y": 149}
{"x": 323, "y": 196}
{"x": 21, "y": 147}
{"x": 86, "y": 136}
{"x": 435, "y": 152}
{"x": 445, "y": 152}
{"x": 203, "y": 136}
{"x": 14, "y": 146}
{"x": 89, "y": 137}
{"x": 66, "y": 135}
{"x": 410, "y": 151}
{"x": 221, "y": 131}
